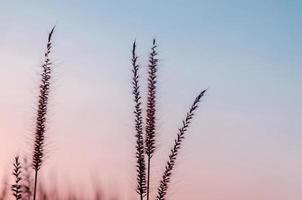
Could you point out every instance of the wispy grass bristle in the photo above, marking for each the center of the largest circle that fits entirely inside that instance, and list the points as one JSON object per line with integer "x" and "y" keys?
{"x": 151, "y": 102}
{"x": 151, "y": 111}
{"x": 17, "y": 187}
{"x": 140, "y": 157}
{"x": 165, "y": 180}
{"x": 38, "y": 151}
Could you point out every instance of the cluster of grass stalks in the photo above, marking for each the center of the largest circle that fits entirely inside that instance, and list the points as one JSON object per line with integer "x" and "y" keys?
{"x": 26, "y": 184}
{"x": 146, "y": 138}
{"x": 23, "y": 189}
{"x": 25, "y": 172}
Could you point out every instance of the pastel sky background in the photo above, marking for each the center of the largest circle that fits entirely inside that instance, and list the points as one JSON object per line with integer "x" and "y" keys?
{"x": 245, "y": 142}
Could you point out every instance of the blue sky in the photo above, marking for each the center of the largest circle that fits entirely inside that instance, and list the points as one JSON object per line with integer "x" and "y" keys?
{"x": 248, "y": 53}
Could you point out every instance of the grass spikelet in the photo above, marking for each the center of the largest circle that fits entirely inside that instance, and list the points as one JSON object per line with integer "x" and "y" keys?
{"x": 151, "y": 110}
{"x": 17, "y": 187}
{"x": 140, "y": 157}
{"x": 38, "y": 151}
{"x": 164, "y": 183}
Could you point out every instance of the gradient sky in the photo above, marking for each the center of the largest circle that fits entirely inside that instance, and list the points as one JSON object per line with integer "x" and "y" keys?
{"x": 245, "y": 142}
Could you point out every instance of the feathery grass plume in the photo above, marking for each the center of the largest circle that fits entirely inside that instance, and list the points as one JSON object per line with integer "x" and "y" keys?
{"x": 38, "y": 150}
{"x": 26, "y": 180}
{"x": 17, "y": 187}
{"x": 140, "y": 156}
{"x": 151, "y": 110}
{"x": 163, "y": 187}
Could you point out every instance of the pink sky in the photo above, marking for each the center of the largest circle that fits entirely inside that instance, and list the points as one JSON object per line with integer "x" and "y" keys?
{"x": 245, "y": 141}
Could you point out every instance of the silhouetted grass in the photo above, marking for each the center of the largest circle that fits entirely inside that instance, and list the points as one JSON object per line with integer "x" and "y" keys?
{"x": 151, "y": 110}
{"x": 17, "y": 187}
{"x": 150, "y": 131}
{"x": 38, "y": 151}
{"x": 25, "y": 187}
{"x": 140, "y": 162}
{"x": 164, "y": 183}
